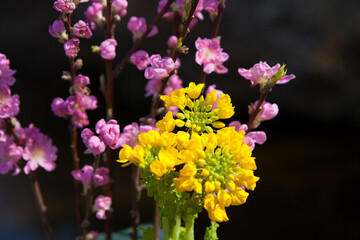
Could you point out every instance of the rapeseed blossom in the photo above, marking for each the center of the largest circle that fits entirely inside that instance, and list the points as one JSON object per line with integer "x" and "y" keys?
{"x": 203, "y": 164}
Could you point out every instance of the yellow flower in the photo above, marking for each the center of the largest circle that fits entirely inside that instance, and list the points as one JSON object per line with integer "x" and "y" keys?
{"x": 178, "y": 98}
{"x": 238, "y": 196}
{"x": 189, "y": 170}
{"x": 224, "y": 198}
{"x": 188, "y": 184}
{"x": 169, "y": 157}
{"x": 158, "y": 168}
{"x": 209, "y": 186}
{"x": 226, "y": 110}
{"x": 149, "y": 138}
{"x": 167, "y": 100}
{"x": 194, "y": 90}
{"x": 167, "y": 124}
{"x": 218, "y": 214}
{"x": 126, "y": 156}
{"x": 211, "y": 97}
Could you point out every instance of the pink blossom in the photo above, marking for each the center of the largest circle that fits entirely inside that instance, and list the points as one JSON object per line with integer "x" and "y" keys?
{"x": 57, "y": 29}
{"x": 210, "y": 55}
{"x": 131, "y": 133}
{"x": 160, "y": 67}
{"x": 57, "y": 107}
{"x": 109, "y": 132}
{"x": 261, "y": 72}
{"x": 94, "y": 144}
{"x": 107, "y": 49}
{"x": 138, "y": 26}
{"x": 172, "y": 41}
{"x": 64, "y": 6}
{"x": 84, "y": 175}
{"x": 38, "y": 150}
{"x": 153, "y": 87}
{"x": 251, "y": 138}
{"x": 94, "y": 14}
{"x": 82, "y": 30}
{"x": 101, "y": 176}
{"x": 102, "y": 204}
{"x": 119, "y": 7}
{"x": 82, "y": 80}
{"x": 6, "y": 74}
{"x": 10, "y": 154}
{"x": 140, "y": 59}
{"x": 71, "y": 47}
{"x": 268, "y": 111}
{"x": 9, "y": 105}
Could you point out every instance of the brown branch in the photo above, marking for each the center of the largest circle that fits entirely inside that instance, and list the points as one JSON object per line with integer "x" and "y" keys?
{"x": 117, "y": 70}
{"x": 256, "y": 111}
{"x": 41, "y": 205}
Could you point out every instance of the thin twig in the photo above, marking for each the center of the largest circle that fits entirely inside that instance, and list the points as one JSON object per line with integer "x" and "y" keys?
{"x": 41, "y": 205}
{"x": 135, "y": 198}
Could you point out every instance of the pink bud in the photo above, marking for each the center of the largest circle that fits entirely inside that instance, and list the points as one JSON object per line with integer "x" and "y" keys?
{"x": 107, "y": 49}
{"x": 71, "y": 47}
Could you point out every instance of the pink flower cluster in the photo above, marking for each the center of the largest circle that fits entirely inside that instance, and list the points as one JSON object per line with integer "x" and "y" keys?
{"x": 210, "y": 55}
{"x": 76, "y": 105}
{"x": 160, "y": 67}
{"x": 109, "y": 135}
{"x": 87, "y": 176}
{"x": 37, "y": 150}
{"x": 131, "y": 133}
{"x": 138, "y": 27}
{"x": 102, "y": 204}
{"x": 261, "y": 72}
{"x": 9, "y": 104}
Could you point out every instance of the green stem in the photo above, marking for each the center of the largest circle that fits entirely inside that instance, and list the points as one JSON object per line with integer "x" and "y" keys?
{"x": 176, "y": 229}
{"x": 172, "y": 232}
{"x": 189, "y": 227}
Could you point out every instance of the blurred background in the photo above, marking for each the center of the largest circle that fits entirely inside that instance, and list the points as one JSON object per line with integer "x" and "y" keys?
{"x": 309, "y": 166}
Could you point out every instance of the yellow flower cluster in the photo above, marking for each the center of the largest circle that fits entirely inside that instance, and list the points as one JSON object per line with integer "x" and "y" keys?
{"x": 217, "y": 166}
{"x": 196, "y": 113}
{"x": 214, "y": 165}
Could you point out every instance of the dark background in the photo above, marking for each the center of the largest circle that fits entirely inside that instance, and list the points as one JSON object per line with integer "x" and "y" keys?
{"x": 308, "y": 168}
